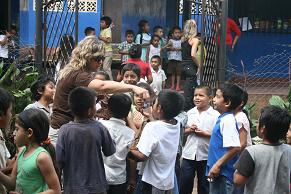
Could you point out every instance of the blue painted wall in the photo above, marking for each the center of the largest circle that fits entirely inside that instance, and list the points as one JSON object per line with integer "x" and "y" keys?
{"x": 27, "y": 22}
{"x": 274, "y": 50}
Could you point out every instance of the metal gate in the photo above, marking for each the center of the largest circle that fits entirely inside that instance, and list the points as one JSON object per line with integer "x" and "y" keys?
{"x": 57, "y": 22}
{"x": 206, "y": 15}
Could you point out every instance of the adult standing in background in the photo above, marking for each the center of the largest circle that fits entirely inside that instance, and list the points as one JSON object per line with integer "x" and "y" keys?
{"x": 190, "y": 63}
{"x": 86, "y": 58}
{"x": 231, "y": 28}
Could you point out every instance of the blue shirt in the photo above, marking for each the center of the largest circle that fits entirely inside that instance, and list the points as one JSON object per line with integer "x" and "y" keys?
{"x": 225, "y": 134}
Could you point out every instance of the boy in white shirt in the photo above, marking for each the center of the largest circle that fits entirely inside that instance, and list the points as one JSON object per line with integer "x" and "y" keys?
{"x": 115, "y": 165}
{"x": 158, "y": 144}
{"x": 201, "y": 120}
{"x": 159, "y": 76}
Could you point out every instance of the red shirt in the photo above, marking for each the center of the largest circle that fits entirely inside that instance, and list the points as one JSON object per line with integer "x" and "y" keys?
{"x": 230, "y": 28}
{"x": 144, "y": 67}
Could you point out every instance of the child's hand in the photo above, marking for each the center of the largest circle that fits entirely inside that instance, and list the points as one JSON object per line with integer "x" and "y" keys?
{"x": 200, "y": 132}
{"x": 131, "y": 187}
{"x": 214, "y": 171}
{"x": 191, "y": 129}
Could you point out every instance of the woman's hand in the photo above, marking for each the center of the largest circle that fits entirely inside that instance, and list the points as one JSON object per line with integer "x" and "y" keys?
{"x": 143, "y": 93}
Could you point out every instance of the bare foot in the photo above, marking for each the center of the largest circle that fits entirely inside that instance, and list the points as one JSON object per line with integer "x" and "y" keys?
{"x": 178, "y": 89}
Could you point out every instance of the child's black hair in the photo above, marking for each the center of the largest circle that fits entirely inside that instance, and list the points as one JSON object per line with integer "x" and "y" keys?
{"x": 157, "y": 57}
{"x": 103, "y": 73}
{"x": 89, "y": 30}
{"x": 276, "y": 122}
{"x": 6, "y": 100}
{"x": 128, "y": 32}
{"x": 81, "y": 99}
{"x": 107, "y": 20}
{"x": 156, "y": 28}
{"x": 38, "y": 121}
{"x": 206, "y": 88}
{"x": 131, "y": 67}
{"x": 141, "y": 25}
{"x": 231, "y": 93}
{"x": 119, "y": 105}
{"x": 175, "y": 28}
{"x": 171, "y": 102}
{"x": 135, "y": 51}
{"x": 154, "y": 36}
{"x": 38, "y": 86}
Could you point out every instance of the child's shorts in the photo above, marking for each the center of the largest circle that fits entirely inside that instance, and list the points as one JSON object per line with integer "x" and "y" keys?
{"x": 174, "y": 67}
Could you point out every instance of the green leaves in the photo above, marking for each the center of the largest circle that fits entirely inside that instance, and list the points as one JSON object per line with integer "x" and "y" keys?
{"x": 18, "y": 80}
{"x": 278, "y": 101}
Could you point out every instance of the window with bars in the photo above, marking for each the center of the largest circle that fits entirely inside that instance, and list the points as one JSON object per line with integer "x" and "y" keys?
{"x": 84, "y": 6}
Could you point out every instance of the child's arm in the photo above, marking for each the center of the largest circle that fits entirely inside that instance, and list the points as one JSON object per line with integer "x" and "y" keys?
{"x": 202, "y": 133}
{"x": 190, "y": 129}
{"x": 121, "y": 49}
{"x": 147, "y": 55}
{"x": 215, "y": 170}
{"x": 243, "y": 134}
{"x": 9, "y": 181}
{"x": 149, "y": 76}
{"x": 245, "y": 167}
{"x": 136, "y": 155}
{"x": 123, "y": 52}
{"x": 106, "y": 39}
{"x": 46, "y": 167}
{"x": 132, "y": 176}
{"x": 239, "y": 179}
{"x": 164, "y": 85}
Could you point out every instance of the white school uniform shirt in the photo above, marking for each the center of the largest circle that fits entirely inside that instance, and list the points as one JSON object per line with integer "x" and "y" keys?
{"x": 196, "y": 147}
{"x": 175, "y": 55}
{"x": 4, "y": 156}
{"x": 115, "y": 165}
{"x": 159, "y": 141}
{"x": 3, "y": 48}
{"x": 242, "y": 121}
{"x": 158, "y": 78}
{"x": 154, "y": 51}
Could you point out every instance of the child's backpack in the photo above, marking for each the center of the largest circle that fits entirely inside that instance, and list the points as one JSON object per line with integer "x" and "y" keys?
{"x": 140, "y": 39}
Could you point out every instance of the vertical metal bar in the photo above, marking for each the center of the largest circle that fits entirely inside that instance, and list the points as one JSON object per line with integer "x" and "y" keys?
{"x": 76, "y": 22}
{"x": 9, "y": 16}
{"x": 203, "y": 29}
{"x": 38, "y": 37}
{"x": 45, "y": 33}
{"x": 186, "y": 10}
{"x": 222, "y": 49}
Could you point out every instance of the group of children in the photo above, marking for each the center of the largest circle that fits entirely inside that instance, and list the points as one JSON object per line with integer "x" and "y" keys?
{"x": 152, "y": 46}
{"x": 135, "y": 148}
{"x": 123, "y": 143}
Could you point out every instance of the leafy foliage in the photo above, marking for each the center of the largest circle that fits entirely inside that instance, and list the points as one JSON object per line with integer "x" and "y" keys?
{"x": 18, "y": 80}
{"x": 278, "y": 101}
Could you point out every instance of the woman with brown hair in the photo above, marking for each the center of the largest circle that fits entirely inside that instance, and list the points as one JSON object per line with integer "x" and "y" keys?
{"x": 85, "y": 59}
